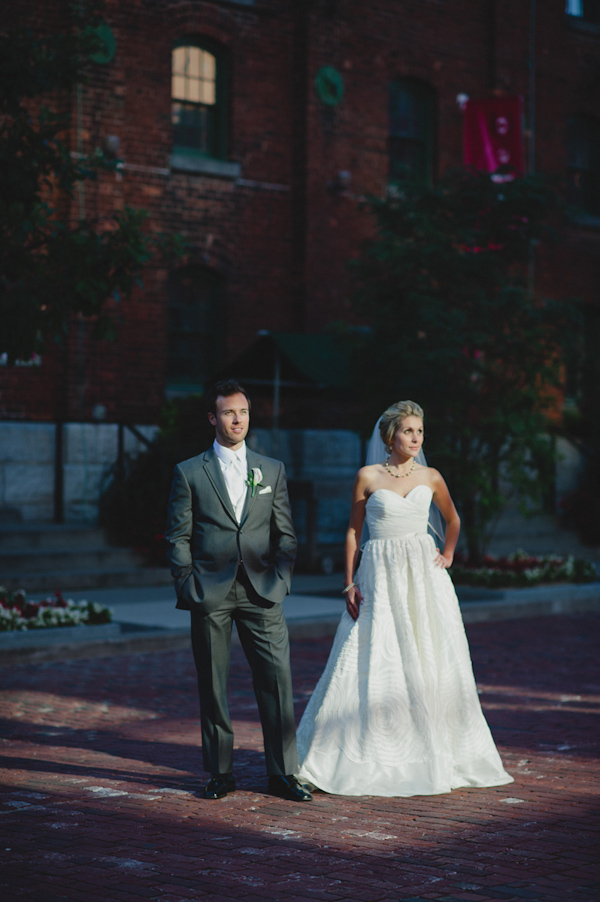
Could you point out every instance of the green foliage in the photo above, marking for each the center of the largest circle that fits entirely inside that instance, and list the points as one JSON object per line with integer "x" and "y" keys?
{"x": 454, "y": 326}
{"x": 133, "y": 506}
{"x": 54, "y": 265}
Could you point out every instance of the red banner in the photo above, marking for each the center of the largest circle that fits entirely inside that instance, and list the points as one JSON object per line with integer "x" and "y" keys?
{"x": 493, "y": 135}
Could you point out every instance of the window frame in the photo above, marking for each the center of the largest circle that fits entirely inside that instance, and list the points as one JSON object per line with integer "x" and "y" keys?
{"x": 221, "y": 107}
{"x": 589, "y": 130}
{"x": 579, "y": 19}
{"x": 214, "y": 282}
{"x": 425, "y": 95}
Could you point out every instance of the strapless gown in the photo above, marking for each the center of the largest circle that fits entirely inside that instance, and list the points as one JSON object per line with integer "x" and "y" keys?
{"x": 396, "y": 711}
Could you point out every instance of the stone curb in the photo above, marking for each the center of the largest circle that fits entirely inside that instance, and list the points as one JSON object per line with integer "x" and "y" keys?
{"x": 64, "y": 635}
{"x": 138, "y": 643}
{"x": 539, "y": 601}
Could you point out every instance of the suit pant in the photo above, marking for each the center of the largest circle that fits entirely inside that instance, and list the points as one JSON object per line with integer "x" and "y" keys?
{"x": 263, "y": 634}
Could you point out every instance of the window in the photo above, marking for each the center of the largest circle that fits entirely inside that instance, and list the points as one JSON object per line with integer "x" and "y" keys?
{"x": 196, "y": 327}
{"x": 586, "y": 10}
{"x": 198, "y": 103}
{"x": 411, "y": 131}
{"x": 583, "y": 163}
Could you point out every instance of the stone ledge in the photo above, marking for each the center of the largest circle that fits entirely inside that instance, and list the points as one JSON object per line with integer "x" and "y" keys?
{"x": 514, "y": 609}
{"x": 181, "y": 162}
{"x": 59, "y": 635}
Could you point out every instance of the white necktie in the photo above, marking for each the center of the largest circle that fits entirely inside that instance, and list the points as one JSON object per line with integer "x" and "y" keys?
{"x": 238, "y": 486}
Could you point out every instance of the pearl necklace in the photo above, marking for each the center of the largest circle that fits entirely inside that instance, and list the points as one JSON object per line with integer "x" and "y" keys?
{"x": 400, "y": 475}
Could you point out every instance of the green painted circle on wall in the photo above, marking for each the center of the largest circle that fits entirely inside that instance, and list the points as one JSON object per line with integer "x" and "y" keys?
{"x": 329, "y": 85}
{"x": 106, "y": 52}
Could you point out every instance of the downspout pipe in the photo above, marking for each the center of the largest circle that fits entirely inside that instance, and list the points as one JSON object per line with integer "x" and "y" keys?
{"x": 532, "y": 74}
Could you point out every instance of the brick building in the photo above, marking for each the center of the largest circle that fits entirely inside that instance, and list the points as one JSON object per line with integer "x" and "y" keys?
{"x": 255, "y": 127}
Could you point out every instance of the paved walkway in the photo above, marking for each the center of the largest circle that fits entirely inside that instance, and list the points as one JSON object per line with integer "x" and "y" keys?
{"x": 100, "y": 771}
{"x": 155, "y": 605}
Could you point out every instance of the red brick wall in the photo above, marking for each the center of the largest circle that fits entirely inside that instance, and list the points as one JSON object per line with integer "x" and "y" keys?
{"x": 280, "y": 237}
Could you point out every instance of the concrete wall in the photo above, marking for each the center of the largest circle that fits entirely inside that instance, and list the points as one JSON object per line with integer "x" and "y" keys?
{"x": 27, "y": 453}
{"x": 327, "y": 457}
{"x": 569, "y": 468}
{"x": 330, "y": 458}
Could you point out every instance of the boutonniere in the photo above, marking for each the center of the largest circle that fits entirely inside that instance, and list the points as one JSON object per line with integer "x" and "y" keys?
{"x": 255, "y": 478}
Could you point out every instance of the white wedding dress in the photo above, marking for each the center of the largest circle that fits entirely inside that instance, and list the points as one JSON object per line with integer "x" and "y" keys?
{"x": 396, "y": 711}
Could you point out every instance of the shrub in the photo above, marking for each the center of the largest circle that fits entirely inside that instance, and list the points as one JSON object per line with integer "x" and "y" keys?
{"x": 17, "y": 612}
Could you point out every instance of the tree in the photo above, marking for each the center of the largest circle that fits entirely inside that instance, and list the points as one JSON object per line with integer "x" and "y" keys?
{"x": 53, "y": 264}
{"x": 456, "y": 327}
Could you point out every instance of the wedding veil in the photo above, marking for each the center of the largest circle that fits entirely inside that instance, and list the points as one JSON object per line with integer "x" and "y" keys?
{"x": 376, "y": 454}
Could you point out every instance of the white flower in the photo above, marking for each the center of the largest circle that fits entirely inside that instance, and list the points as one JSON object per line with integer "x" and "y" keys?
{"x": 255, "y": 478}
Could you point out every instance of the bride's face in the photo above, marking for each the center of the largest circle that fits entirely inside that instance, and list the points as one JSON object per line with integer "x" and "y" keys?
{"x": 409, "y": 437}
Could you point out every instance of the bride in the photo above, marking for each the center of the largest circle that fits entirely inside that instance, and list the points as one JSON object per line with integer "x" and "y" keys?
{"x": 396, "y": 711}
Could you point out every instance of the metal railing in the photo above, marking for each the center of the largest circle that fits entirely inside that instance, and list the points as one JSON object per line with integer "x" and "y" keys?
{"x": 59, "y": 461}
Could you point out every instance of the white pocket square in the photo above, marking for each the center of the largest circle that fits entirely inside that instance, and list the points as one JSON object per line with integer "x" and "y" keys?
{"x": 265, "y": 491}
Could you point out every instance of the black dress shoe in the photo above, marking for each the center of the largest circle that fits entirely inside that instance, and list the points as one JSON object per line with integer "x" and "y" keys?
{"x": 218, "y": 786}
{"x": 288, "y": 787}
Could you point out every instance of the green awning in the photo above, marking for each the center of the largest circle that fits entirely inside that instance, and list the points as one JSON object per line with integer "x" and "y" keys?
{"x": 299, "y": 359}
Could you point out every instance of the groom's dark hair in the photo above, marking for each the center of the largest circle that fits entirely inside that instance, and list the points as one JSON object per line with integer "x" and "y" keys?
{"x": 224, "y": 389}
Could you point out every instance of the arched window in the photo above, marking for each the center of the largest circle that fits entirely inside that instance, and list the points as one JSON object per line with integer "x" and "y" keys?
{"x": 583, "y": 163}
{"x": 198, "y": 91}
{"x": 196, "y": 327}
{"x": 412, "y": 110}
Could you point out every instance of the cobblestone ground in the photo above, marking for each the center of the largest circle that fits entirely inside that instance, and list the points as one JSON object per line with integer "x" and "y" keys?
{"x": 100, "y": 775}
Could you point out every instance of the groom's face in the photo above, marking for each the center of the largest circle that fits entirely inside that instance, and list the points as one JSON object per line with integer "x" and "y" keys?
{"x": 231, "y": 420}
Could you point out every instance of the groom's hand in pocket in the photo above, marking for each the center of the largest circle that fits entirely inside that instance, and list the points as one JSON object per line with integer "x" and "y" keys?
{"x": 353, "y": 601}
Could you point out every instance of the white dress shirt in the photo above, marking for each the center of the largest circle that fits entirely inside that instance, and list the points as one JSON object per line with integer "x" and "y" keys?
{"x": 235, "y": 472}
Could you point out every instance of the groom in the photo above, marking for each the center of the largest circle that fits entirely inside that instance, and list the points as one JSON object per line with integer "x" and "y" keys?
{"x": 232, "y": 547}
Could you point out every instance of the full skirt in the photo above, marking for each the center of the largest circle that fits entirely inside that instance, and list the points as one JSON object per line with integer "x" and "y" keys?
{"x": 396, "y": 711}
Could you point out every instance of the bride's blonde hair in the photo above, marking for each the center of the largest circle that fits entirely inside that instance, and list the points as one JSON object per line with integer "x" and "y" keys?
{"x": 392, "y": 418}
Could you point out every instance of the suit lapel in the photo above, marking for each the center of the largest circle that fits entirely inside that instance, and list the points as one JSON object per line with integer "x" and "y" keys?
{"x": 252, "y": 460}
{"x": 213, "y": 470}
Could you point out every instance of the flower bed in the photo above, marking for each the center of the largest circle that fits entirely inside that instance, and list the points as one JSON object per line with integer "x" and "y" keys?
{"x": 19, "y": 613}
{"x": 521, "y": 570}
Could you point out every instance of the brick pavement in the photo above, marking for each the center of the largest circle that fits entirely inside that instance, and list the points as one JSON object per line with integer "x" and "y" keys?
{"x": 100, "y": 771}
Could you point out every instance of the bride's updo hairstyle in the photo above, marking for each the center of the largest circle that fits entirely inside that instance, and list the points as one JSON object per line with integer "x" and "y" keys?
{"x": 392, "y": 419}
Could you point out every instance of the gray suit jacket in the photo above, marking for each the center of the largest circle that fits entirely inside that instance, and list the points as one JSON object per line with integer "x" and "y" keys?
{"x": 205, "y": 541}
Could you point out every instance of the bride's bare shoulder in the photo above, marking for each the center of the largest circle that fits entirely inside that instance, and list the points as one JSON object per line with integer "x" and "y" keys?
{"x": 369, "y": 471}
{"x": 366, "y": 475}
{"x": 433, "y": 476}
{"x": 431, "y": 471}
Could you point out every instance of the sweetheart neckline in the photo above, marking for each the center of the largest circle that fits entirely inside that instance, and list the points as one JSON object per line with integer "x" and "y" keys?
{"x": 398, "y": 495}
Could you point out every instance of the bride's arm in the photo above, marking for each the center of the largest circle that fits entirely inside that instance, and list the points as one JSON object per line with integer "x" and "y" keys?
{"x": 444, "y": 502}
{"x": 352, "y": 548}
